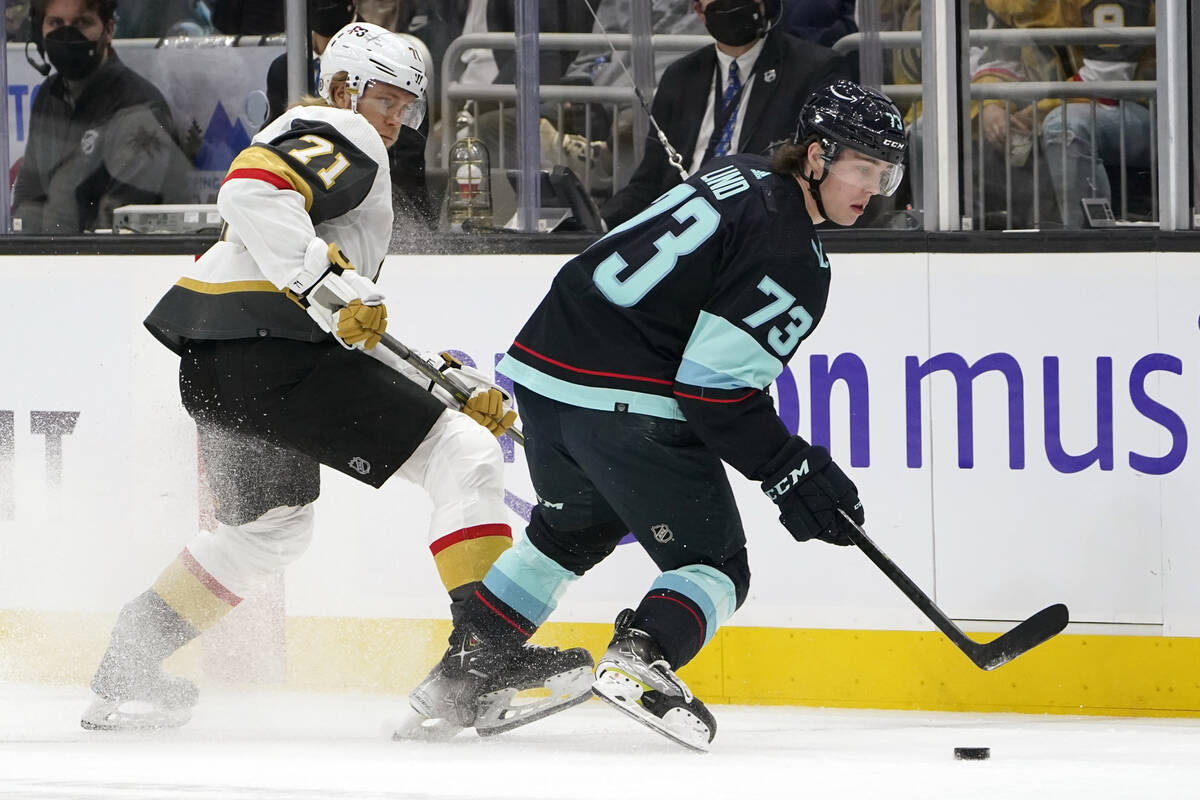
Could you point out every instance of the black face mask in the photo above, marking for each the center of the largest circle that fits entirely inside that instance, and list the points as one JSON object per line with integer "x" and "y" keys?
{"x": 734, "y": 22}
{"x": 74, "y": 55}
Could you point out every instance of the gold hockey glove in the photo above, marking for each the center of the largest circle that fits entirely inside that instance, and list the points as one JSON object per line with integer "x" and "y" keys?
{"x": 358, "y": 323}
{"x": 489, "y": 405}
{"x": 491, "y": 410}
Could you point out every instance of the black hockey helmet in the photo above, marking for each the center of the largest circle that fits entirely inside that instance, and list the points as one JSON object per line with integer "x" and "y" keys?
{"x": 844, "y": 114}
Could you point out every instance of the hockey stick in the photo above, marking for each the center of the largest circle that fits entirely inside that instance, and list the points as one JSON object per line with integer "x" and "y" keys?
{"x": 1028, "y": 634}
{"x": 335, "y": 294}
{"x": 460, "y": 393}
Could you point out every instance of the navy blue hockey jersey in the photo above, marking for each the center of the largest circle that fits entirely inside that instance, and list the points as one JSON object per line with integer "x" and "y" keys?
{"x": 687, "y": 311}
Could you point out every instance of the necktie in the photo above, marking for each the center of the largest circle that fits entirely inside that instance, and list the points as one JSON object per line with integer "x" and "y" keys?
{"x": 731, "y": 91}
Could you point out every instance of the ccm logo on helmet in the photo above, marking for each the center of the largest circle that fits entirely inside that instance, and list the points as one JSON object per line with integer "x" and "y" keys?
{"x": 791, "y": 479}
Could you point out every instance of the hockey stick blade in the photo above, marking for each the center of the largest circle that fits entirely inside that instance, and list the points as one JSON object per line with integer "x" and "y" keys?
{"x": 1027, "y": 635}
{"x": 459, "y": 393}
{"x": 988, "y": 655}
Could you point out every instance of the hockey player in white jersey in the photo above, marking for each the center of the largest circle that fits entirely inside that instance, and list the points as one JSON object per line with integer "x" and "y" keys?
{"x": 275, "y": 327}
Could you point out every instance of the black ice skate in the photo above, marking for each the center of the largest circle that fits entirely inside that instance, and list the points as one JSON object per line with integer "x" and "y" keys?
{"x": 633, "y": 676}
{"x": 132, "y": 692}
{"x": 479, "y": 685}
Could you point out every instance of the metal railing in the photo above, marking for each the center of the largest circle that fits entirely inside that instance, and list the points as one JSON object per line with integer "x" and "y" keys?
{"x": 616, "y": 96}
{"x": 454, "y": 92}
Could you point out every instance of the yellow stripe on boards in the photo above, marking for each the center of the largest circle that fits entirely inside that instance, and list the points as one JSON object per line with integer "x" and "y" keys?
{"x": 1147, "y": 676}
{"x": 1070, "y": 674}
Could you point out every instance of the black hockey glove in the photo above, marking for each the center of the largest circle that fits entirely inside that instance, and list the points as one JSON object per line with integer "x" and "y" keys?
{"x": 809, "y": 489}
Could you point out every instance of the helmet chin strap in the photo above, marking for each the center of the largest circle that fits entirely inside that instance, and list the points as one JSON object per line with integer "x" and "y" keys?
{"x": 814, "y": 187}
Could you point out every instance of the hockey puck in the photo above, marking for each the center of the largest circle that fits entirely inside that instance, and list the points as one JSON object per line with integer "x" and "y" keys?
{"x": 972, "y": 753}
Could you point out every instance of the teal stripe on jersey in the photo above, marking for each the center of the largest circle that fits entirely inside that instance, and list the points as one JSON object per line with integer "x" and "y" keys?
{"x": 596, "y": 397}
{"x": 530, "y": 582}
{"x": 709, "y": 588}
{"x": 720, "y": 355}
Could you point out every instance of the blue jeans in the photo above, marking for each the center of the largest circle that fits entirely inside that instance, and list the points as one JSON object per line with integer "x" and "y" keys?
{"x": 1076, "y": 152}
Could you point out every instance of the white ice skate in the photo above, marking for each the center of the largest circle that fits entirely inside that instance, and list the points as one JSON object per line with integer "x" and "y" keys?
{"x": 633, "y": 677}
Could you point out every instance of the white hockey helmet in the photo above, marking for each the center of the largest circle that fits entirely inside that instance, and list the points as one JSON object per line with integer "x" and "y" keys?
{"x": 367, "y": 54}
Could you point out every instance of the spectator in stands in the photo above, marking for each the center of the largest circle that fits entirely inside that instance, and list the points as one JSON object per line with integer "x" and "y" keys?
{"x": 152, "y": 19}
{"x": 600, "y": 66}
{"x": 820, "y": 21}
{"x": 437, "y": 23}
{"x": 325, "y": 18}
{"x": 16, "y": 20}
{"x": 391, "y": 14}
{"x": 554, "y": 16}
{"x": 249, "y": 17}
{"x": 1082, "y": 138}
{"x": 493, "y": 125}
{"x": 100, "y": 135}
{"x": 1011, "y": 130}
{"x": 740, "y": 95}
{"x": 1002, "y": 138}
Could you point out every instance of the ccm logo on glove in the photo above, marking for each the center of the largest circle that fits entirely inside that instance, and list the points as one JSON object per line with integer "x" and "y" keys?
{"x": 809, "y": 490}
{"x": 775, "y": 492}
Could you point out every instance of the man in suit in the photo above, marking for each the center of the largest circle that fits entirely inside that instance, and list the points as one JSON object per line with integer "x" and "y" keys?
{"x": 707, "y": 106}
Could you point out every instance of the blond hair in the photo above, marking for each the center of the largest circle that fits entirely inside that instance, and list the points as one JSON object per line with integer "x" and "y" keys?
{"x": 339, "y": 79}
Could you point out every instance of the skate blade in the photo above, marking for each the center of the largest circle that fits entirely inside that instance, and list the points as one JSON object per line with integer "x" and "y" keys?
{"x": 416, "y": 727}
{"x": 678, "y": 724}
{"x": 107, "y": 715}
{"x": 505, "y": 709}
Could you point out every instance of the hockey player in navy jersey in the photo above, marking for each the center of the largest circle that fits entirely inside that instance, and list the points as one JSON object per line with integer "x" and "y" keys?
{"x": 643, "y": 371}
{"x": 271, "y": 325}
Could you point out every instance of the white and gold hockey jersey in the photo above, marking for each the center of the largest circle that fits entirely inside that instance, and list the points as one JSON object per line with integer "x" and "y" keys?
{"x": 316, "y": 171}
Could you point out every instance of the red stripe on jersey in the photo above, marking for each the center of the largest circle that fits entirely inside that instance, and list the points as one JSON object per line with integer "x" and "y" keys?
{"x": 206, "y": 578}
{"x": 590, "y": 371}
{"x": 250, "y": 173}
{"x": 750, "y": 393}
{"x": 473, "y": 532}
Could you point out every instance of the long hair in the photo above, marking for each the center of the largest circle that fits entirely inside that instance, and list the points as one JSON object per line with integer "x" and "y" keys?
{"x": 792, "y": 158}
{"x": 339, "y": 79}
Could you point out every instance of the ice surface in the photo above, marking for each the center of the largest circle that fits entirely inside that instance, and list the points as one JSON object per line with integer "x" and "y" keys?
{"x": 271, "y": 745}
